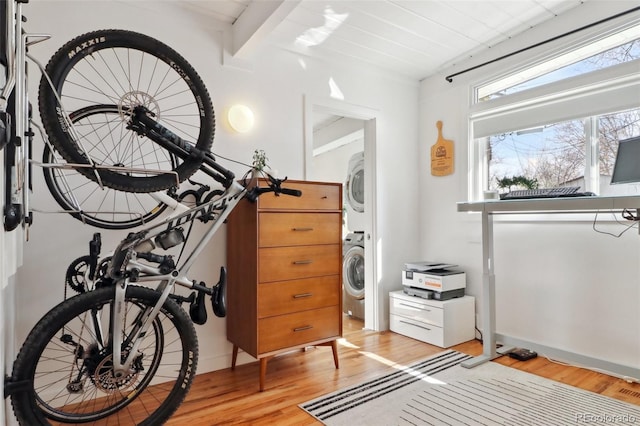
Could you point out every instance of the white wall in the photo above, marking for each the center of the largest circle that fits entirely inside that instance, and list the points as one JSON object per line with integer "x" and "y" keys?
{"x": 333, "y": 166}
{"x": 274, "y": 87}
{"x": 558, "y": 283}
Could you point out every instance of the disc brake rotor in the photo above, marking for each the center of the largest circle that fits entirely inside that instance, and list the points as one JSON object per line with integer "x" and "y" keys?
{"x": 106, "y": 381}
{"x": 136, "y": 98}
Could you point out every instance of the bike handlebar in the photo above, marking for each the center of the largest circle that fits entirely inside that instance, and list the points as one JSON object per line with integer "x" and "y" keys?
{"x": 274, "y": 186}
{"x": 292, "y": 192}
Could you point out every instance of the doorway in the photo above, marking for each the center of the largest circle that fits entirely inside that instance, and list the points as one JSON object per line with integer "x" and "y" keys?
{"x": 339, "y": 141}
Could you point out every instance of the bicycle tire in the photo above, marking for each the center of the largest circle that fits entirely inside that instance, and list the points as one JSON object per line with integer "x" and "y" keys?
{"x": 48, "y": 360}
{"x": 126, "y": 69}
{"x": 84, "y": 199}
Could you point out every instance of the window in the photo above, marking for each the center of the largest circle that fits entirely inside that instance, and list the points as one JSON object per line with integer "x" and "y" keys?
{"x": 552, "y": 155}
{"x": 562, "y": 154}
{"x": 623, "y": 46}
{"x": 611, "y": 129}
{"x": 559, "y": 127}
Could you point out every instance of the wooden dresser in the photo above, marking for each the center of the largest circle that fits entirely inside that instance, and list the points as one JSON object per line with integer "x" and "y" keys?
{"x": 284, "y": 264}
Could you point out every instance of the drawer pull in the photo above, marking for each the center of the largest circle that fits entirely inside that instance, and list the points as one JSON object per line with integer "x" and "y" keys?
{"x": 414, "y": 307}
{"x": 301, "y": 295}
{"x": 415, "y": 325}
{"x": 306, "y": 327}
{"x": 302, "y": 262}
{"x": 302, "y": 229}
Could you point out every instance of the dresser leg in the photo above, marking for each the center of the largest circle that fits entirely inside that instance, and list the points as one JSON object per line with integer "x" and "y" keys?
{"x": 234, "y": 357}
{"x": 263, "y": 371}
{"x": 334, "y": 348}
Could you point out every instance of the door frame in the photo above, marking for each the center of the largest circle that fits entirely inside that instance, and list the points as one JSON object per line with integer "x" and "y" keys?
{"x": 373, "y": 305}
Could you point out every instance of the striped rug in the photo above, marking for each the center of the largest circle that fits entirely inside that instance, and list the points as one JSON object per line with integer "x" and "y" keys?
{"x": 438, "y": 391}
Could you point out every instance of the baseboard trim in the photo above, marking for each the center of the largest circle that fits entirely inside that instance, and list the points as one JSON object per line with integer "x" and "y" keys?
{"x": 611, "y": 368}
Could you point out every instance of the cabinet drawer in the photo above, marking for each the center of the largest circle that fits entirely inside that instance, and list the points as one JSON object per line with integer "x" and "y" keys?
{"x": 417, "y": 311}
{"x": 295, "y": 329}
{"x": 315, "y": 196}
{"x": 290, "y": 263}
{"x": 285, "y": 297}
{"x": 298, "y": 229}
{"x": 417, "y": 330}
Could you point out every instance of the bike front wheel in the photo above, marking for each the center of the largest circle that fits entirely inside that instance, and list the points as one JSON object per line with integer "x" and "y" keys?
{"x": 67, "y": 361}
{"x": 126, "y": 71}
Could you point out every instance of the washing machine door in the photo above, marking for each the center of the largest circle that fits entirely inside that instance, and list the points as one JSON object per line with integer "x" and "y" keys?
{"x": 353, "y": 272}
{"x": 354, "y": 187}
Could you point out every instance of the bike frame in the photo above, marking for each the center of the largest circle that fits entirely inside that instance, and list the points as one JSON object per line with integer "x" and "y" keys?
{"x": 125, "y": 266}
{"x": 146, "y": 273}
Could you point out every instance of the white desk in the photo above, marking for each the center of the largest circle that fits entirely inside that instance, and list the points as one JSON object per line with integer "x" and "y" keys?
{"x": 545, "y": 205}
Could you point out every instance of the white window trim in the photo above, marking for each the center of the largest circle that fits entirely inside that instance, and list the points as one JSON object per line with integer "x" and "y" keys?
{"x": 609, "y": 38}
{"x": 611, "y": 89}
{"x": 616, "y": 88}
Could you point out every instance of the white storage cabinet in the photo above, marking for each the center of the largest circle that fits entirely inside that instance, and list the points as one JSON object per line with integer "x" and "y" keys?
{"x": 440, "y": 323}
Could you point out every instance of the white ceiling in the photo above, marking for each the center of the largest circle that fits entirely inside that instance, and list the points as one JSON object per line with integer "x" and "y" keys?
{"x": 414, "y": 38}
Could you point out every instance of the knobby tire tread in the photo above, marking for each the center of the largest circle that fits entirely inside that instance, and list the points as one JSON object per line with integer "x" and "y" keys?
{"x": 52, "y": 117}
{"x": 24, "y": 403}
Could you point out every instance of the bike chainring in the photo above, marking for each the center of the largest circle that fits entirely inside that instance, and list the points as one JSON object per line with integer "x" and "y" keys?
{"x": 76, "y": 276}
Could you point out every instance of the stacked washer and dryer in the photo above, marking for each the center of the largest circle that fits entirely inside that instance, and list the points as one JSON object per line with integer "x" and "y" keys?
{"x": 353, "y": 245}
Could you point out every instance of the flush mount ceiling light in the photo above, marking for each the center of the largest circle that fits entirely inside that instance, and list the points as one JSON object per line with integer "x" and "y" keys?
{"x": 240, "y": 118}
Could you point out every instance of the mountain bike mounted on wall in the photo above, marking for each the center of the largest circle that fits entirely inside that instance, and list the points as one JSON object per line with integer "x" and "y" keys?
{"x": 122, "y": 114}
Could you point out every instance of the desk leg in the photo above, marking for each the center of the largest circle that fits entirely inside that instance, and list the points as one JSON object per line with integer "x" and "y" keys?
{"x": 488, "y": 308}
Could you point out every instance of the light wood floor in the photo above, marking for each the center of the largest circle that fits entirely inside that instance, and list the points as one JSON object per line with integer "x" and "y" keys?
{"x": 228, "y": 397}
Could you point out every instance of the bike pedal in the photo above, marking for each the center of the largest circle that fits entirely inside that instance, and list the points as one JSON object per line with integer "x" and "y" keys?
{"x": 218, "y": 298}
{"x": 197, "y": 310}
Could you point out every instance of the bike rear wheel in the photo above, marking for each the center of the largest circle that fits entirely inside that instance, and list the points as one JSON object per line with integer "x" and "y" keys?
{"x": 83, "y": 199}
{"x": 126, "y": 70}
{"x": 68, "y": 364}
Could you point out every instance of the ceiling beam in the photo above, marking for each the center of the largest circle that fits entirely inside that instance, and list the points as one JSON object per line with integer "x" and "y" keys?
{"x": 257, "y": 21}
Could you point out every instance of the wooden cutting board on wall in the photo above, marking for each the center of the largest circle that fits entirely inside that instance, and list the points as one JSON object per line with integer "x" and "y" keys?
{"x": 441, "y": 155}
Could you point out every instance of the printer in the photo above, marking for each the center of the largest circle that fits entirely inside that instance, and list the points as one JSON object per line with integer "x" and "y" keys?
{"x": 433, "y": 280}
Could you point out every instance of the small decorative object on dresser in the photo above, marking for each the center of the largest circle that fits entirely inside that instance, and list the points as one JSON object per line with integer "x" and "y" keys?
{"x": 284, "y": 261}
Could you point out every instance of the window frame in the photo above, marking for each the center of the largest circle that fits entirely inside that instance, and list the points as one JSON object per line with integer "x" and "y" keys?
{"x": 600, "y": 92}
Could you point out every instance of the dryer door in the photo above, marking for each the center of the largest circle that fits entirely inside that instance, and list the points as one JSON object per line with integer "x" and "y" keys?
{"x": 354, "y": 187}
{"x": 353, "y": 272}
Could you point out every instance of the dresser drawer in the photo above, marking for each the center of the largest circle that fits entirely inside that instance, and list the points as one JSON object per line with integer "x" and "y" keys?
{"x": 284, "y": 331}
{"x": 417, "y": 311}
{"x": 417, "y": 330}
{"x": 285, "y": 297}
{"x": 290, "y": 263}
{"x": 298, "y": 229}
{"x": 315, "y": 196}
{"x": 441, "y": 323}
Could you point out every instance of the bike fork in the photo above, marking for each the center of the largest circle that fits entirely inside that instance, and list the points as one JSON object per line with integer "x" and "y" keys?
{"x": 142, "y": 322}
{"x": 143, "y": 123}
